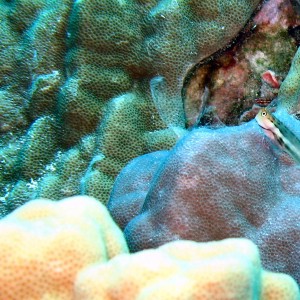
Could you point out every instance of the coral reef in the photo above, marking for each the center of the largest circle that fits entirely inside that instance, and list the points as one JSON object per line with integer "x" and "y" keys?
{"x": 107, "y": 75}
{"x": 72, "y": 249}
{"x": 215, "y": 184}
{"x": 44, "y": 244}
{"x": 234, "y": 79}
{"x": 38, "y": 148}
{"x": 288, "y": 96}
{"x": 228, "y": 269}
{"x": 86, "y": 86}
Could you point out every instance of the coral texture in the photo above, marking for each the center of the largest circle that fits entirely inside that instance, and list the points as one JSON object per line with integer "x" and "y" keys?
{"x": 215, "y": 184}
{"x": 232, "y": 81}
{"x": 43, "y": 245}
{"x": 72, "y": 249}
{"x": 290, "y": 90}
{"x": 228, "y": 269}
{"x": 107, "y": 75}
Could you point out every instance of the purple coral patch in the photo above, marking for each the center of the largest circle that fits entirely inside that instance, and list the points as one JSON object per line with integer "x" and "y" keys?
{"x": 132, "y": 186}
{"x": 215, "y": 184}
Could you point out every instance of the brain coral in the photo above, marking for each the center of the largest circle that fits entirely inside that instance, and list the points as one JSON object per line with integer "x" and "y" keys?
{"x": 215, "y": 184}
{"x": 103, "y": 72}
{"x": 44, "y": 244}
{"x": 228, "y": 269}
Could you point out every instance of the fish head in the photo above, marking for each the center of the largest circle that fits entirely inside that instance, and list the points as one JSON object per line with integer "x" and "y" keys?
{"x": 279, "y": 132}
{"x": 267, "y": 122}
{"x": 265, "y": 119}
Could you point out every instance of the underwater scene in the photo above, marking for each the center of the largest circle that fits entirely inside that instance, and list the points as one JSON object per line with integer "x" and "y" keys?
{"x": 149, "y": 149}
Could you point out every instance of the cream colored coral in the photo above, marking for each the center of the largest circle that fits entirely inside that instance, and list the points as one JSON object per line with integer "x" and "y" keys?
{"x": 43, "y": 245}
{"x": 277, "y": 286}
{"x": 228, "y": 269}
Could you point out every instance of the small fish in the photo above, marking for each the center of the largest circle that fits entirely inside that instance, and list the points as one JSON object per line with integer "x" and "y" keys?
{"x": 278, "y": 132}
{"x": 263, "y": 102}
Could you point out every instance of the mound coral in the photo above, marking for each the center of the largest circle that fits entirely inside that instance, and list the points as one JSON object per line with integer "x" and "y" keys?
{"x": 85, "y": 86}
{"x": 228, "y": 269}
{"x": 215, "y": 184}
{"x": 103, "y": 72}
{"x": 289, "y": 92}
{"x": 43, "y": 245}
{"x": 72, "y": 249}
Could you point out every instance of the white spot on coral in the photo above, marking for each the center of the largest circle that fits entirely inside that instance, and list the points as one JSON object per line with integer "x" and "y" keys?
{"x": 32, "y": 184}
{"x": 257, "y": 60}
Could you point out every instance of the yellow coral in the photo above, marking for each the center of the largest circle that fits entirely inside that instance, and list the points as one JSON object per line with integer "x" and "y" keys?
{"x": 228, "y": 269}
{"x": 43, "y": 245}
{"x": 60, "y": 250}
{"x": 277, "y": 286}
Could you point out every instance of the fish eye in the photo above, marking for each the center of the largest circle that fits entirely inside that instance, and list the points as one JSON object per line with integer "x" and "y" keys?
{"x": 263, "y": 113}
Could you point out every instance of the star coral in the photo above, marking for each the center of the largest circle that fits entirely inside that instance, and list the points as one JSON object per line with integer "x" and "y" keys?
{"x": 44, "y": 244}
{"x": 87, "y": 85}
{"x": 107, "y": 70}
{"x": 215, "y": 184}
{"x": 228, "y": 269}
{"x": 72, "y": 249}
{"x": 288, "y": 96}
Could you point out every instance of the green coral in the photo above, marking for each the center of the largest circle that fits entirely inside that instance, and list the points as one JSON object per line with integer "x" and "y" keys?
{"x": 43, "y": 90}
{"x": 97, "y": 184}
{"x": 39, "y": 148}
{"x": 70, "y": 166}
{"x": 12, "y": 113}
{"x": 289, "y": 93}
{"x": 19, "y": 195}
{"x": 49, "y": 186}
{"x": 95, "y": 83}
{"x": 128, "y": 118}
